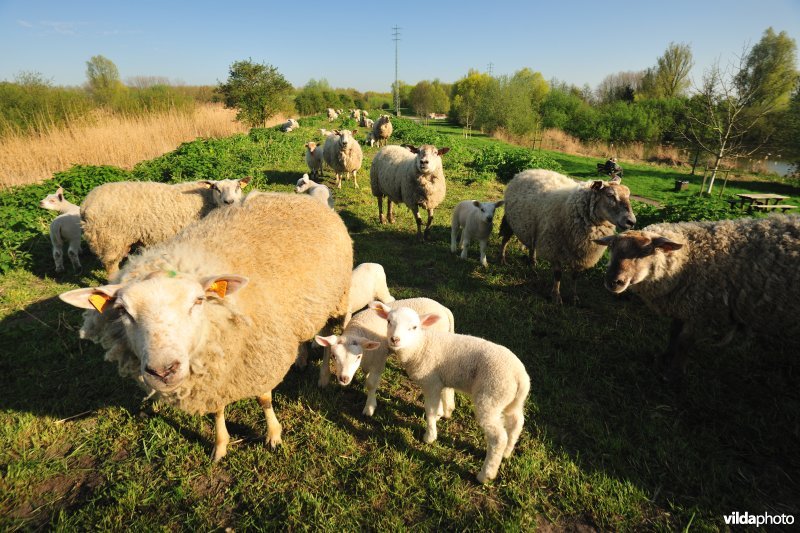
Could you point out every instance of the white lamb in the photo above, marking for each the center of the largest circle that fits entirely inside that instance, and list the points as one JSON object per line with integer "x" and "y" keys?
{"x": 317, "y": 191}
{"x": 490, "y": 374}
{"x": 476, "y": 220}
{"x": 363, "y": 344}
{"x": 314, "y": 158}
{"x": 332, "y": 114}
{"x": 370, "y": 139}
{"x": 66, "y": 227}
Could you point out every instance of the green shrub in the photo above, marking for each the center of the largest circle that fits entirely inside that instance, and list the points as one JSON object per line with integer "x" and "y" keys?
{"x": 507, "y": 162}
{"x": 406, "y": 131}
{"x": 692, "y": 208}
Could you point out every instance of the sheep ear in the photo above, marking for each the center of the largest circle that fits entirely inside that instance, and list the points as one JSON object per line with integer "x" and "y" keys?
{"x": 96, "y": 298}
{"x": 60, "y": 193}
{"x": 245, "y": 181}
{"x": 605, "y": 241}
{"x": 597, "y": 185}
{"x": 223, "y": 286}
{"x": 411, "y": 147}
{"x": 381, "y": 308}
{"x": 666, "y": 245}
{"x": 369, "y": 345}
{"x": 443, "y": 151}
{"x": 476, "y": 203}
{"x": 499, "y": 203}
{"x": 429, "y": 319}
{"x": 207, "y": 183}
{"x": 355, "y": 131}
{"x": 326, "y": 341}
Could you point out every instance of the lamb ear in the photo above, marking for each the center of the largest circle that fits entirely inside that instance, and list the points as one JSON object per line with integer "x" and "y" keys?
{"x": 429, "y": 319}
{"x": 245, "y": 181}
{"x": 605, "y": 241}
{"x": 224, "y": 285}
{"x": 60, "y": 194}
{"x": 597, "y": 185}
{"x": 476, "y": 203}
{"x": 666, "y": 245}
{"x": 96, "y": 298}
{"x": 369, "y": 345}
{"x": 381, "y": 308}
{"x": 443, "y": 151}
{"x": 499, "y": 203}
{"x": 326, "y": 341}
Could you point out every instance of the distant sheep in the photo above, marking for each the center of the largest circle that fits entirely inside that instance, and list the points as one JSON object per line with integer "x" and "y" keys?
{"x": 216, "y": 314}
{"x": 317, "y": 191}
{"x": 409, "y": 175}
{"x": 370, "y": 139}
{"x": 382, "y": 129}
{"x": 66, "y": 227}
{"x": 713, "y": 278}
{"x": 332, "y": 114}
{"x": 476, "y": 218}
{"x": 290, "y": 125}
{"x": 355, "y": 114}
{"x": 366, "y": 122}
{"x": 343, "y": 154}
{"x": 560, "y": 219}
{"x": 117, "y": 215}
{"x": 490, "y": 374}
{"x": 314, "y": 159}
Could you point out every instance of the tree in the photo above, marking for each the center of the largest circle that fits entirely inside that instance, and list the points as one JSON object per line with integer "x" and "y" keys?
{"x": 429, "y": 97}
{"x": 769, "y": 72}
{"x": 258, "y": 91}
{"x": 103, "y": 79}
{"x": 619, "y": 86}
{"x": 467, "y": 95}
{"x": 670, "y": 77}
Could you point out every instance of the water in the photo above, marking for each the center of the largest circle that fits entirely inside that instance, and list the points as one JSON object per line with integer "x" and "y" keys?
{"x": 781, "y": 168}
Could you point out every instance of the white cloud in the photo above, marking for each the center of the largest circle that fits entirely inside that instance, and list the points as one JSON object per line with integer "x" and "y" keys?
{"x": 24, "y": 24}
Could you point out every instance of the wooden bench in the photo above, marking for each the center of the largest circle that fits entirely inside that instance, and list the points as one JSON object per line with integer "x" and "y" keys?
{"x": 782, "y": 207}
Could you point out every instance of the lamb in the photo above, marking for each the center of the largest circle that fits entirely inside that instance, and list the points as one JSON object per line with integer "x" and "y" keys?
{"x": 410, "y": 175}
{"x": 476, "y": 220}
{"x": 117, "y": 215}
{"x": 370, "y": 139}
{"x": 490, "y": 374}
{"x": 317, "y": 191}
{"x": 382, "y": 129}
{"x": 712, "y": 278}
{"x": 290, "y": 125}
{"x": 332, "y": 114}
{"x": 343, "y": 154}
{"x": 561, "y": 219}
{"x": 217, "y": 313}
{"x": 363, "y": 344}
{"x": 365, "y": 122}
{"x": 66, "y": 227}
{"x": 314, "y": 158}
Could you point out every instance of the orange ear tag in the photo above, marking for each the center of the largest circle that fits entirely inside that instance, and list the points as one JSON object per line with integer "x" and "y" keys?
{"x": 99, "y": 301}
{"x": 220, "y": 287}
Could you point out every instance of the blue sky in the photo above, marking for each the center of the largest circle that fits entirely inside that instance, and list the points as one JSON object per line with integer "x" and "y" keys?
{"x": 350, "y": 43}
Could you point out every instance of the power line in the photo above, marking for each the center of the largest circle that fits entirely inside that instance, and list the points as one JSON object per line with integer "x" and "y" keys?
{"x": 490, "y": 67}
{"x": 396, "y": 39}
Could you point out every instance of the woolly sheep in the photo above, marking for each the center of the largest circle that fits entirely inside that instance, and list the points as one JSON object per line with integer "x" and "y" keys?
{"x": 713, "y": 278}
{"x": 117, "y": 215}
{"x": 409, "y": 175}
{"x": 66, "y": 227}
{"x": 332, "y": 114}
{"x": 363, "y": 344}
{"x": 490, "y": 374}
{"x": 560, "y": 218}
{"x": 325, "y": 133}
{"x": 314, "y": 158}
{"x": 317, "y": 191}
{"x": 217, "y": 313}
{"x": 343, "y": 154}
{"x": 290, "y": 125}
{"x": 382, "y": 129}
{"x": 365, "y": 122}
{"x": 476, "y": 220}
{"x": 356, "y": 114}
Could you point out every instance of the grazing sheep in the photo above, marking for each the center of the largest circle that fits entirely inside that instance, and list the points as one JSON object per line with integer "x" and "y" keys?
{"x": 409, "y": 175}
{"x": 317, "y": 191}
{"x": 363, "y": 344}
{"x": 66, "y": 227}
{"x": 366, "y": 122}
{"x": 314, "y": 158}
{"x": 290, "y": 125}
{"x": 332, "y": 114}
{"x": 356, "y": 114}
{"x": 490, "y": 374}
{"x": 476, "y": 220}
{"x": 217, "y": 313}
{"x": 713, "y": 278}
{"x": 117, "y": 215}
{"x": 560, "y": 218}
{"x": 343, "y": 154}
{"x": 370, "y": 139}
{"x": 382, "y": 129}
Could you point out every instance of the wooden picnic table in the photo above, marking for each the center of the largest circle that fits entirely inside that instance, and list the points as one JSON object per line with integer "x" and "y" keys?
{"x": 761, "y": 202}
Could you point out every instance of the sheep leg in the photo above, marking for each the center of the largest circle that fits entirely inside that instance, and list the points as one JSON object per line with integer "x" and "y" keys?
{"x": 380, "y": 210}
{"x": 575, "y": 299}
{"x": 302, "y": 356}
{"x": 506, "y": 233}
{"x": 675, "y": 355}
{"x": 418, "y": 219}
{"x": 448, "y": 402}
{"x": 428, "y": 225}
{"x": 390, "y": 210}
{"x": 73, "y": 252}
{"x": 338, "y": 181}
{"x": 273, "y": 426}
{"x": 483, "y": 243}
{"x": 555, "y": 294}
{"x": 454, "y": 236}
{"x": 496, "y": 442}
{"x": 514, "y": 421}
{"x": 372, "y": 382}
{"x": 325, "y": 368}
{"x": 433, "y": 402}
{"x": 464, "y": 244}
{"x": 355, "y": 178}
{"x": 58, "y": 257}
{"x": 222, "y": 436}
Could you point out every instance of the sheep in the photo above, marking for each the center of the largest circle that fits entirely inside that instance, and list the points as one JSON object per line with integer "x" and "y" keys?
{"x": 117, "y": 215}
{"x": 370, "y": 139}
{"x": 490, "y": 374}
{"x": 314, "y": 158}
{"x": 410, "y": 175}
{"x": 560, "y": 218}
{"x": 325, "y": 133}
{"x": 712, "y": 278}
{"x": 476, "y": 220}
{"x": 66, "y": 227}
{"x": 333, "y": 114}
{"x": 355, "y": 114}
{"x": 317, "y": 191}
{"x": 343, "y": 154}
{"x": 363, "y": 344}
{"x": 365, "y": 122}
{"x": 290, "y": 125}
{"x": 382, "y": 129}
{"x": 217, "y": 313}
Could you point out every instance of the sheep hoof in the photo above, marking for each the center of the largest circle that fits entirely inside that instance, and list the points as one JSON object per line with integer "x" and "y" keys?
{"x": 369, "y": 410}
{"x": 274, "y": 440}
{"x": 429, "y": 437}
{"x": 219, "y": 453}
{"x": 483, "y": 478}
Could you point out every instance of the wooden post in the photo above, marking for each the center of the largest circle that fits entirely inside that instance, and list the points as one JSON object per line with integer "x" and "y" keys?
{"x": 703, "y": 186}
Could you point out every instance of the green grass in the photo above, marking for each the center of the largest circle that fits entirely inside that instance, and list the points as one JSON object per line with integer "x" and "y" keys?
{"x": 606, "y": 444}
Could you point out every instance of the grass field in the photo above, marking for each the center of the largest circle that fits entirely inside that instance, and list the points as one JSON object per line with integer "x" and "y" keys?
{"x": 606, "y": 444}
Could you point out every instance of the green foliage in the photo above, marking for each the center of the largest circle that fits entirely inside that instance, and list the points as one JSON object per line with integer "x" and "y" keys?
{"x": 405, "y": 131}
{"x": 32, "y": 104}
{"x": 670, "y": 77}
{"x": 684, "y": 210}
{"x": 429, "y": 97}
{"x": 103, "y": 78}
{"x": 505, "y": 162}
{"x": 769, "y": 73}
{"x": 258, "y": 91}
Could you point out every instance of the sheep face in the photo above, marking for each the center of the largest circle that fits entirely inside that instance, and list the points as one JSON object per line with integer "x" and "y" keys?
{"x": 53, "y": 201}
{"x": 429, "y": 159}
{"x": 404, "y": 330}
{"x": 227, "y": 192}
{"x": 487, "y": 209}
{"x": 303, "y": 184}
{"x": 632, "y": 257}
{"x": 346, "y": 137}
{"x": 347, "y": 353}
{"x": 613, "y": 203}
{"x": 165, "y": 319}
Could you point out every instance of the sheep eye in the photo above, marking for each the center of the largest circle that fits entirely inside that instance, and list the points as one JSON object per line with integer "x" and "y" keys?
{"x": 199, "y": 300}
{"x": 414, "y": 327}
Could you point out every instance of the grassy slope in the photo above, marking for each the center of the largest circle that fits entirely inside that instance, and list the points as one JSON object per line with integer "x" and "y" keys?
{"x": 606, "y": 444}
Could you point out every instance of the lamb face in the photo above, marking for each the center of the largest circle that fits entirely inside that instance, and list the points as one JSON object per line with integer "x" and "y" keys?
{"x": 347, "y": 351}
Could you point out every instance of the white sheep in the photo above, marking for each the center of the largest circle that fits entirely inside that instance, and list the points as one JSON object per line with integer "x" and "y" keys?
{"x": 343, "y": 154}
{"x": 314, "y": 158}
{"x": 216, "y": 314}
{"x": 713, "y": 278}
{"x": 382, "y": 129}
{"x": 490, "y": 374}
{"x": 476, "y": 220}
{"x": 333, "y": 114}
{"x": 66, "y": 227}
{"x": 560, "y": 219}
{"x": 365, "y": 122}
{"x": 410, "y": 175}
{"x": 290, "y": 125}
{"x": 363, "y": 345}
{"x": 370, "y": 139}
{"x": 355, "y": 114}
{"x": 317, "y": 191}
{"x": 117, "y": 215}
{"x": 325, "y": 133}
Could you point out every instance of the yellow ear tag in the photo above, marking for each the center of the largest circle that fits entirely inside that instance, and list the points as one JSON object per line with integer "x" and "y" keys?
{"x": 99, "y": 301}
{"x": 220, "y": 287}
